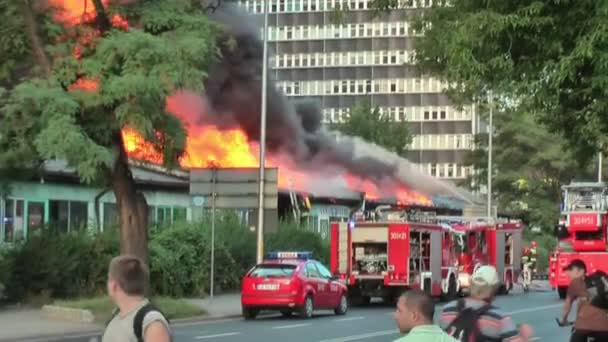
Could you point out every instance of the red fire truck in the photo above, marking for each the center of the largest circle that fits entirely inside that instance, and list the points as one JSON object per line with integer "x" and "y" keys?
{"x": 381, "y": 258}
{"x": 488, "y": 243}
{"x": 581, "y": 233}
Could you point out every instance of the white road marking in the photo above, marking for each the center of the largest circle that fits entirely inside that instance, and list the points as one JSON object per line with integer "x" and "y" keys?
{"x": 204, "y": 337}
{"x": 538, "y": 308}
{"x": 534, "y": 338}
{"x": 363, "y": 336}
{"x": 348, "y": 319}
{"x": 291, "y": 326}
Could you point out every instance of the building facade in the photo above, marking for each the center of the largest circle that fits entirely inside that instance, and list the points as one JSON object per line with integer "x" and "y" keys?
{"x": 339, "y": 53}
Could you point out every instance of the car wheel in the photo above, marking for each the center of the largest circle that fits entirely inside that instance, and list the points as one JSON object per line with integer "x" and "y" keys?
{"x": 307, "y": 309}
{"x": 286, "y": 313}
{"x": 342, "y": 306}
{"x": 250, "y": 313}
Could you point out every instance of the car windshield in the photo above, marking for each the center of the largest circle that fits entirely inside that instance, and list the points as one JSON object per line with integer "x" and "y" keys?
{"x": 272, "y": 271}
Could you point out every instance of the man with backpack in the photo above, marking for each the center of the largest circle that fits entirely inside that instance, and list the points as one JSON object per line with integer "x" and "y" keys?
{"x": 475, "y": 319}
{"x": 592, "y": 294}
{"x": 136, "y": 319}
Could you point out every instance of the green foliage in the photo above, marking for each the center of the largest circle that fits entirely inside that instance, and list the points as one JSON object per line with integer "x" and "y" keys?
{"x": 180, "y": 262}
{"x": 530, "y": 165}
{"x": 169, "y": 47}
{"x": 549, "y": 57}
{"x": 102, "y": 307}
{"x": 292, "y": 237}
{"x": 370, "y": 124}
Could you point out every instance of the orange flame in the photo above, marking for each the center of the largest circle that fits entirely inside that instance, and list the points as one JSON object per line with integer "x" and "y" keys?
{"x": 206, "y": 145}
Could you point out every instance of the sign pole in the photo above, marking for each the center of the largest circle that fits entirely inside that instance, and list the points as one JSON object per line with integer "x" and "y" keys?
{"x": 213, "y": 179}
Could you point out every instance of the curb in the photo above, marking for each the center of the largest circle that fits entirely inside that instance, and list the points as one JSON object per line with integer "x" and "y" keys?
{"x": 91, "y": 333}
{"x": 68, "y": 314}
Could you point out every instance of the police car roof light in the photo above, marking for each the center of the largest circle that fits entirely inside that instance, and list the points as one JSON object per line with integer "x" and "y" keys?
{"x": 289, "y": 255}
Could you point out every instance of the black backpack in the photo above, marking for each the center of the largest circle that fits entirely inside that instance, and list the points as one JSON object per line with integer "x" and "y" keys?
{"x": 597, "y": 287}
{"x": 464, "y": 327}
{"x": 138, "y": 320}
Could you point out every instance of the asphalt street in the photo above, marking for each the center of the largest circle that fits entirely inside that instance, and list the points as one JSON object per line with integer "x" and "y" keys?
{"x": 372, "y": 324}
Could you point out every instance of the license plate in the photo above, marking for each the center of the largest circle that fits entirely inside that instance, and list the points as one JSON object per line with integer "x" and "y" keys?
{"x": 268, "y": 287}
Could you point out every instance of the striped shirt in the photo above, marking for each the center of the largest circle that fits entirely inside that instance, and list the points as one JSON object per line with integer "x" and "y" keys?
{"x": 493, "y": 324}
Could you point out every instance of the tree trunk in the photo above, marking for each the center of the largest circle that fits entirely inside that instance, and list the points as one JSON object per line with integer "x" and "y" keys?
{"x": 32, "y": 32}
{"x": 131, "y": 205}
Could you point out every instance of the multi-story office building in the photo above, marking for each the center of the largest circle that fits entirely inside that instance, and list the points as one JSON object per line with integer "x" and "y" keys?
{"x": 338, "y": 52}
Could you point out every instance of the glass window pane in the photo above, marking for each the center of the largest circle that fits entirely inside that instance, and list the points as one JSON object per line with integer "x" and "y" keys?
{"x": 79, "y": 215}
{"x": 179, "y": 214}
{"x": 35, "y": 217}
{"x": 110, "y": 216}
{"x": 59, "y": 215}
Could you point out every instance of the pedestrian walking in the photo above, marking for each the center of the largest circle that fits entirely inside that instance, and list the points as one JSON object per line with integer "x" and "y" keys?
{"x": 476, "y": 318}
{"x": 592, "y": 295}
{"x": 135, "y": 319}
{"x": 414, "y": 318}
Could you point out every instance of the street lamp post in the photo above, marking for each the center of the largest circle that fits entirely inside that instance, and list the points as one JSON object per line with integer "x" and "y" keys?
{"x": 490, "y": 136}
{"x": 260, "y": 235}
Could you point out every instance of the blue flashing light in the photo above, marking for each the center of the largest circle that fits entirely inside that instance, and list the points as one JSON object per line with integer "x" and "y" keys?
{"x": 289, "y": 255}
{"x": 351, "y": 224}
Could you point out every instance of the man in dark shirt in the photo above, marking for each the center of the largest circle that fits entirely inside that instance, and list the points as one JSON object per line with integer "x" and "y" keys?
{"x": 591, "y": 321}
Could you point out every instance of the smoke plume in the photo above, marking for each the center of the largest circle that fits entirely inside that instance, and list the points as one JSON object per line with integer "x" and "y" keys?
{"x": 233, "y": 99}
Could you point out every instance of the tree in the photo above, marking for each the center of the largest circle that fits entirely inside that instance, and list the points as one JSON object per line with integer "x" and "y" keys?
{"x": 547, "y": 56}
{"x": 530, "y": 165}
{"x": 370, "y": 124}
{"x": 74, "y": 82}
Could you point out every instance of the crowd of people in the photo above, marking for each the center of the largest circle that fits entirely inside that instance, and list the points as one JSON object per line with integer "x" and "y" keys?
{"x": 471, "y": 319}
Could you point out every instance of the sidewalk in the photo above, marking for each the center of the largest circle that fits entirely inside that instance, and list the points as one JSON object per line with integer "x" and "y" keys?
{"x": 22, "y": 323}
{"x": 18, "y": 323}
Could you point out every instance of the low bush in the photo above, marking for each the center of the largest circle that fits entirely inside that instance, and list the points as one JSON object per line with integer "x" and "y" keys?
{"x": 54, "y": 266}
{"x": 102, "y": 307}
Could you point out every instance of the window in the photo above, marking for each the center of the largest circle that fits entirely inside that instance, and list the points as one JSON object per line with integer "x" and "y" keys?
{"x": 35, "y": 216}
{"x": 434, "y": 115}
{"x": 13, "y": 221}
{"x": 312, "y": 271}
{"x": 443, "y": 115}
{"x": 427, "y": 115}
{"x": 163, "y": 215}
{"x": 110, "y": 215}
{"x": 325, "y": 273}
{"x": 180, "y": 214}
{"x": 78, "y": 215}
{"x": 450, "y": 170}
{"x": 59, "y": 215}
{"x": 273, "y": 271}
{"x": 433, "y": 170}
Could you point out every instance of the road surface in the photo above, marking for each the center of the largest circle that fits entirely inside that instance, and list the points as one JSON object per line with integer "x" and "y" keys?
{"x": 368, "y": 324}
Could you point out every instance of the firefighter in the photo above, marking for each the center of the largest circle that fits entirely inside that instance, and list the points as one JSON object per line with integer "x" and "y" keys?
{"x": 533, "y": 257}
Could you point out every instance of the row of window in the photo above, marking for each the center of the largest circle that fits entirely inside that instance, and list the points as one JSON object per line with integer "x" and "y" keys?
{"x": 342, "y": 59}
{"x": 362, "y": 87}
{"x": 442, "y": 142}
{"x": 410, "y": 114}
{"x": 295, "y": 6}
{"x": 20, "y": 218}
{"x": 344, "y": 31}
{"x": 446, "y": 170}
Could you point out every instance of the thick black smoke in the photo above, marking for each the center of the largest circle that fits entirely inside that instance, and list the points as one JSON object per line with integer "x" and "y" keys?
{"x": 233, "y": 90}
{"x": 233, "y": 93}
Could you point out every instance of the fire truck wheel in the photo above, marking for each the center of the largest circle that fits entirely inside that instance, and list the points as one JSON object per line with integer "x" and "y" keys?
{"x": 249, "y": 313}
{"x": 342, "y": 306}
{"x": 307, "y": 309}
{"x": 562, "y": 291}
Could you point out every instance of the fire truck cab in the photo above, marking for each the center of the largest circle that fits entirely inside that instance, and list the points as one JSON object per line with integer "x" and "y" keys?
{"x": 581, "y": 233}
{"x": 482, "y": 242}
{"x": 382, "y": 258}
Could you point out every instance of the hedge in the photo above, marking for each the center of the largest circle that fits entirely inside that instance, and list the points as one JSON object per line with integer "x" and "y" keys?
{"x": 58, "y": 266}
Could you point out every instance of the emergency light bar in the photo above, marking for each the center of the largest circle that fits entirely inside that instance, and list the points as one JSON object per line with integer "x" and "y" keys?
{"x": 289, "y": 255}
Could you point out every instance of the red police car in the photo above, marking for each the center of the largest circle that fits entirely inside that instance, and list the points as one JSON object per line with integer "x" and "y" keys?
{"x": 292, "y": 282}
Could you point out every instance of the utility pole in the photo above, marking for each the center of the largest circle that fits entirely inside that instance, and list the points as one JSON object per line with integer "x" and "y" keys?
{"x": 260, "y": 242}
{"x": 490, "y": 136}
{"x": 599, "y": 166}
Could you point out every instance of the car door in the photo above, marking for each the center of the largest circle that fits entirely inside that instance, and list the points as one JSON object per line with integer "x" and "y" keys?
{"x": 332, "y": 290}
{"x": 318, "y": 283}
